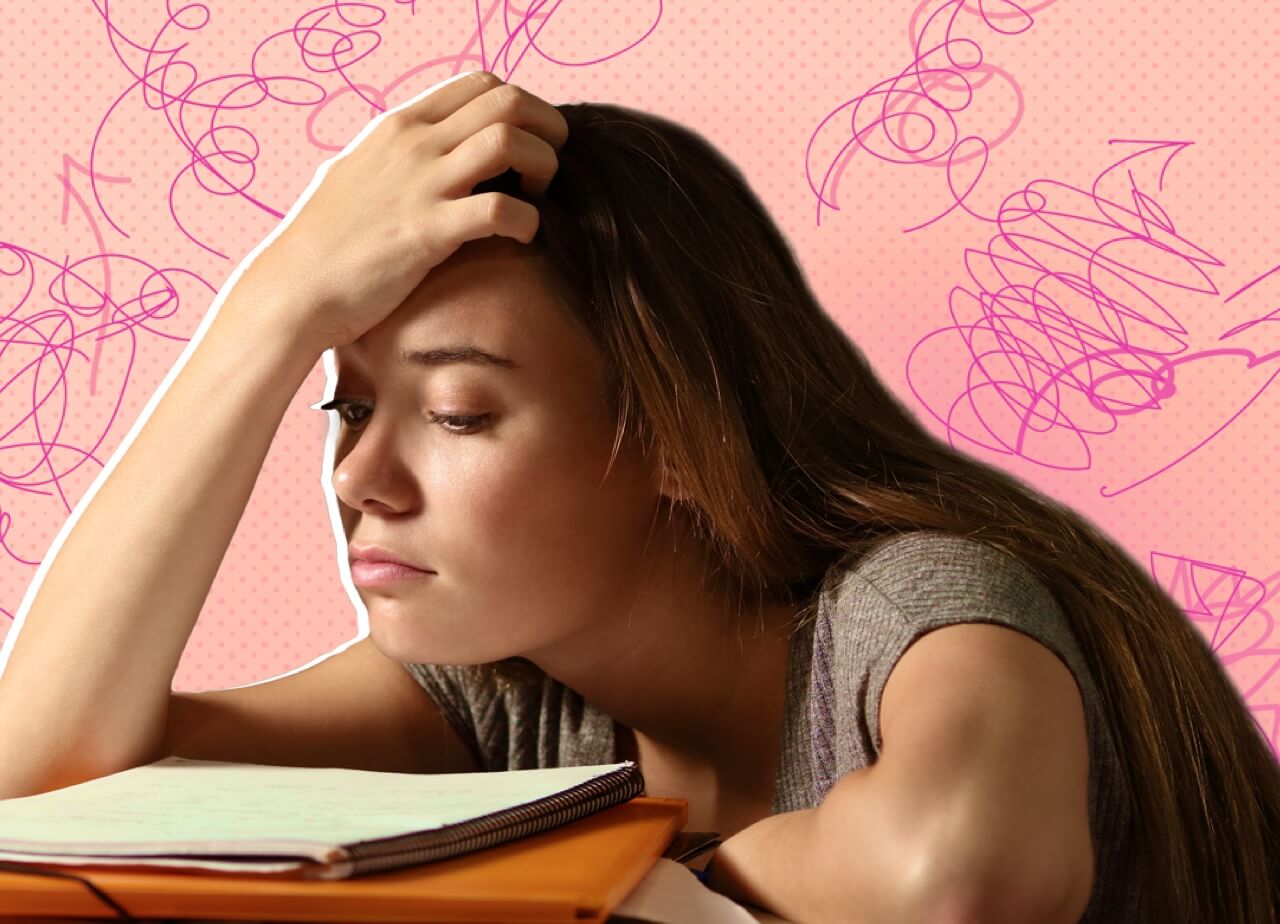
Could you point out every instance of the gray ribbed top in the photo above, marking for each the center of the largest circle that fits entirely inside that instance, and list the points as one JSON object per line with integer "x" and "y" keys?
{"x": 867, "y": 616}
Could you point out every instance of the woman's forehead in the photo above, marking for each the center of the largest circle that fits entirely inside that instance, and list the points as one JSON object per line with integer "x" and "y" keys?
{"x": 490, "y": 309}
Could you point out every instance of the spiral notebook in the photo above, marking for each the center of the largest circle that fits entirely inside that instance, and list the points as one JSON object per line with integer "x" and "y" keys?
{"x": 312, "y": 822}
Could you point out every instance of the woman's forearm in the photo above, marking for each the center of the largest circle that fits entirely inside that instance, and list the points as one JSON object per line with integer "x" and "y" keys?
{"x": 86, "y": 689}
{"x": 850, "y": 859}
{"x": 824, "y": 863}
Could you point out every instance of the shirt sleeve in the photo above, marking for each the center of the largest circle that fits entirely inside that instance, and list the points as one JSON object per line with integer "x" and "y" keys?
{"x": 511, "y": 724}
{"x": 924, "y": 580}
{"x": 518, "y": 724}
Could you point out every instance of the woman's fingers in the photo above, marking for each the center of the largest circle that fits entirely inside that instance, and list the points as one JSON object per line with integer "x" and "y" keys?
{"x": 496, "y": 148}
{"x": 504, "y": 103}
{"x": 486, "y": 214}
{"x": 459, "y": 109}
{"x": 493, "y": 125}
{"x": 402, "y": 201}
{"x": 444, "y": 101}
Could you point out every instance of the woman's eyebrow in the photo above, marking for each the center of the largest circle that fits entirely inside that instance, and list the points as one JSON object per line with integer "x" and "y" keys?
{"x": 466, "y": 354}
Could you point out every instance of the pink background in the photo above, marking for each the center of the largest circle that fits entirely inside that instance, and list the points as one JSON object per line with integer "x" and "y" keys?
{"x": 1053, "y": 236}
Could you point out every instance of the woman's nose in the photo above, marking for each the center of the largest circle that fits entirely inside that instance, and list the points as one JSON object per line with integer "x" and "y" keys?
{"x": 371, "y": 472}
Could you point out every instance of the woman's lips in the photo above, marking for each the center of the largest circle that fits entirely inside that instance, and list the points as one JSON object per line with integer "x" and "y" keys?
{"x": 376, "y": 573}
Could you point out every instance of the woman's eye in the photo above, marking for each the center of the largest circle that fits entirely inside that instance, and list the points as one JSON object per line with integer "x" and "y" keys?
{"x": 455, "y": 424}
{"x": 341, "y": 405}
{"x": 460, "y": 424}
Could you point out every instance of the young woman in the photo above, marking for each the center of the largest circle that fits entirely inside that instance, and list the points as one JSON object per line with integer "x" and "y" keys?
{"x": 652, "y": 504}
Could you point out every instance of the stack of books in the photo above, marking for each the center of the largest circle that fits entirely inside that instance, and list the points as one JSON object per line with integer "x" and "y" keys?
{"x": 195, "y": 839}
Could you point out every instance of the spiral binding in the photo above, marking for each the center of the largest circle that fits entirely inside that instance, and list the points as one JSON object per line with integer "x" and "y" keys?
{"x": 519, "y": 821}
{"x": 579, "y": 801}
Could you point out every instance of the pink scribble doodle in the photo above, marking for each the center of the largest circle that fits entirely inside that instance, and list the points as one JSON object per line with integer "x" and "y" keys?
{"x": 1233, "y": 613}
{"x": 69, "y": 194}
{"x": 1068, "y": 327}
{"x": 30, "y": 344}
{"x": 923, "y": 99}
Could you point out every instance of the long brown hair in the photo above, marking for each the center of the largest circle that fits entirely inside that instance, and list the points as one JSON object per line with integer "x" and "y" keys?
{"x": 792, "y": 457}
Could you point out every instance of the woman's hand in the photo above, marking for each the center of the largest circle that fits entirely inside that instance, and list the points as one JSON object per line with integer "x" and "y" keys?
{"x": 399, "y": 203}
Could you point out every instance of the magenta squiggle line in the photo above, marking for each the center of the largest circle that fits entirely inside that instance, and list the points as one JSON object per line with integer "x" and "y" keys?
{"x": 902, "y": 106}
{"x": 1221, "y": 595}
{"x": 1032, "y": 345}
{"x": 69, "y": 193}
{"x": 1218, "y": 595}
{"x": 47, "y": 335}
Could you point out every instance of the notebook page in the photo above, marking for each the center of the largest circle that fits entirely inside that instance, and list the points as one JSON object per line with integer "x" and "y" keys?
{"x": 180, "y": 806}
{"x": 671, "y": 894}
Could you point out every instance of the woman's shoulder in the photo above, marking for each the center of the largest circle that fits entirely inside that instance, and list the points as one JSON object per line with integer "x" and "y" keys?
{"x": 926, "y": 574}
{"x": 917, "y": 546}
{"x": 873, "y": 609}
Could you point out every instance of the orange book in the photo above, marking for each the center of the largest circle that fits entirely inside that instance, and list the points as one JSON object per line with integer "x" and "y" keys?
{"x": 544, "y": 851}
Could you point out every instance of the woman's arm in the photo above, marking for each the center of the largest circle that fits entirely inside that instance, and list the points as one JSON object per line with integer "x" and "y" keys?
{"x": 86, "y": 688}
{"x": 811, "y": 866}
{"x": 975, "y": 811}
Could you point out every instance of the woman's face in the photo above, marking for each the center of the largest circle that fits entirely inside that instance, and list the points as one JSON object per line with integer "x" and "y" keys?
{"x": 528, "y": 539}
